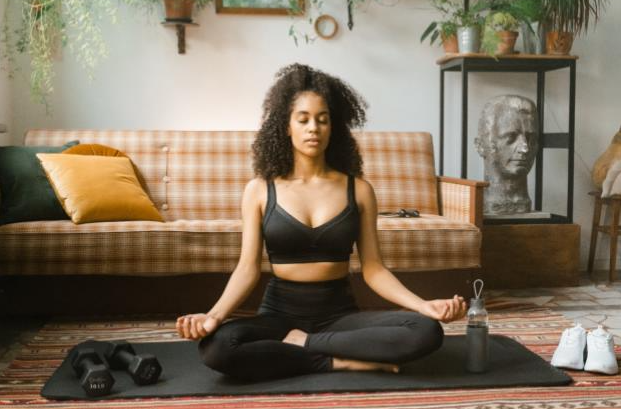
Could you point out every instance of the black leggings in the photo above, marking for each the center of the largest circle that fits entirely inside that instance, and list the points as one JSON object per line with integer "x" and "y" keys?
{"x": 252, "y": 348}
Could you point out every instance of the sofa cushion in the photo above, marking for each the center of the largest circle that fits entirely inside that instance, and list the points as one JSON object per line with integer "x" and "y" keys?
{"x": 26, "y": 192}
{"x": 94, "y": 149}
{"x": 97, "y": 188}
{"x": 430, "y": 242}
{"x": 103, "y": 150}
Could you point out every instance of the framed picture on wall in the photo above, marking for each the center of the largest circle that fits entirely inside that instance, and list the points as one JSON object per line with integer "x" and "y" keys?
{"x": 295, "y": 7}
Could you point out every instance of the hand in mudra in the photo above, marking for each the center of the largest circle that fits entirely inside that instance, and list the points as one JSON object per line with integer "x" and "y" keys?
{"x": 196, "y": 326}
{"x": 445, "y": 310}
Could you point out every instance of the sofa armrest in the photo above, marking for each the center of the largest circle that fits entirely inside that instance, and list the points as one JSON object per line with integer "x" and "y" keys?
{"x": 461, "y": 199}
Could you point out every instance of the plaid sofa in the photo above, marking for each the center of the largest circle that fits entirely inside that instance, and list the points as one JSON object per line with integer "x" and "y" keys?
{"x": 196, "y": 179}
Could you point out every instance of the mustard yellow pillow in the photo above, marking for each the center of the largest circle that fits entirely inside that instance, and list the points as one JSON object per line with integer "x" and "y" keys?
{"x": 104, "y": 150}
{"x": 94, "y": 149}
{"x": 97, "y": 188}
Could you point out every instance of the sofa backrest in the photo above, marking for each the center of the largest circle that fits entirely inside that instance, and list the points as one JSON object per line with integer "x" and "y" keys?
{"x": 197, "y": 175}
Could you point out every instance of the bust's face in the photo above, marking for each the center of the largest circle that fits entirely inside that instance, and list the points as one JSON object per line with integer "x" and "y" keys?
{"x": 515, "y": 139}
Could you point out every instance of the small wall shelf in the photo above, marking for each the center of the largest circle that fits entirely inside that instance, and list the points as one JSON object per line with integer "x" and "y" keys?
{"x": 180, "y": 27}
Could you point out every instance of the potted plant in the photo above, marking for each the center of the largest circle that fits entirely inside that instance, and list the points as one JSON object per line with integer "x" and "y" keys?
{"x": 181, "y": 10}
{"x": 469, "y": 28}
{"x": 526, "y": 12}
{"x": 568, "y": 18}
{"x": 499, "y": 33}
{"x": 445, "y": 29}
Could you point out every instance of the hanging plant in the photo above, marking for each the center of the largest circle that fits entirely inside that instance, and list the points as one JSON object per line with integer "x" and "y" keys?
{"x": 39, "y": 29}
{"x": 45, "y": 26}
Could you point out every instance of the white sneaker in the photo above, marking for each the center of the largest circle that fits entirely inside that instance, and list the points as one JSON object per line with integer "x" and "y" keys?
{"x": 570, "y": 350}
{"x": 601, "y": 352}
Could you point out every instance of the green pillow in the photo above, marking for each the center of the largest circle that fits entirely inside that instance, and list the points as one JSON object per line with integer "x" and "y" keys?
{"x": 26, "y": 193}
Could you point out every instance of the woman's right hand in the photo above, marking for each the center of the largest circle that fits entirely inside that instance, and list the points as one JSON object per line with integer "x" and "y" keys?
{"x": 196, "y": 326}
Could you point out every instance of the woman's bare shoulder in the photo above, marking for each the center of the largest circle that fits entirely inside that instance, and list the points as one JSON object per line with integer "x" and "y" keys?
{"x": 256, "y": 191}
{"x": 256, "y": 185}
{"x": 365, "y": 194}
{"x": 363, "y": 186}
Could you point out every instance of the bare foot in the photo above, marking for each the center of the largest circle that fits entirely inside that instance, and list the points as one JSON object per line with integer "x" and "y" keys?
{"x": 339, "y": 364}
{"x": 296, "y": 337}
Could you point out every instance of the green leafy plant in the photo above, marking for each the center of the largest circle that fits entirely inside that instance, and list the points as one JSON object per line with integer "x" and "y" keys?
{"x": 501, "y": 21}
{"x": 46, "y": 25}
{"x": 448, "y": 25}
{"x": 471, "y": 17}
{"x": 572, "y": 16}
{"x": 525, "y": 11}
{"x": 494, "y": 23}
{"x": 442, "y": 29}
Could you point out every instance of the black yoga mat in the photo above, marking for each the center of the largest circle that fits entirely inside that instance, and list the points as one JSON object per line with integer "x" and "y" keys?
{"x": 511, "y": 364}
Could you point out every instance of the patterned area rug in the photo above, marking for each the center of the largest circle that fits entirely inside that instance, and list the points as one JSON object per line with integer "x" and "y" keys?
{"x": 538, "y": 329}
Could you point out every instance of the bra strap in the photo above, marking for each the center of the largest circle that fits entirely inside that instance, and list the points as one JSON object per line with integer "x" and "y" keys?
{"x": 351, "y": 190}
{"x": 271, "y": 199}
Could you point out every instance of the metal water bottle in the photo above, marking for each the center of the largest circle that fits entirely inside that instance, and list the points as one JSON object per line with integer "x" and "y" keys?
{"x": 477, "y": 348}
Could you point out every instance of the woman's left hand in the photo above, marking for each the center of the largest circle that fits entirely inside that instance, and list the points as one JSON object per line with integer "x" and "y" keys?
{"x": 444, "y": 310}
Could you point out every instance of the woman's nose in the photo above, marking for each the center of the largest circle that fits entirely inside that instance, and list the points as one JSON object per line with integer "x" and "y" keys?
{"x": 312, "y": 124}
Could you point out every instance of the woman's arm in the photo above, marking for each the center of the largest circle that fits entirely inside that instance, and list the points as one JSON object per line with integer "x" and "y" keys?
{"x": 246, "y": 274}
{"x": 248, "y": 271}
{"x": 380, "y": 279}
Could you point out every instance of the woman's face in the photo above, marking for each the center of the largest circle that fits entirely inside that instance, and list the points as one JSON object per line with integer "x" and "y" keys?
{"x": 309, "y": 124}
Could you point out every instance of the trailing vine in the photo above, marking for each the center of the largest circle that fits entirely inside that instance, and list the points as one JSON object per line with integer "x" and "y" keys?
{"x": 40, "y": 28}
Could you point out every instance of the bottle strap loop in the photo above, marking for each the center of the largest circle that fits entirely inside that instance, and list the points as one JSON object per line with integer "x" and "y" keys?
{"x": 477, "y": 292}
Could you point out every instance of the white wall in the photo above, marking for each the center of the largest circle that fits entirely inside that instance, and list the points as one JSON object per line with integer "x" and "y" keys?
{"x": 231, "y": 60}
{"x": 5, "y": 100}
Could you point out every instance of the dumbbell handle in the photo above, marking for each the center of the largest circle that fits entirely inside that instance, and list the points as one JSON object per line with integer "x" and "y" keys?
{"x": 125, "y": 357}
{"x": 85, "y": 364}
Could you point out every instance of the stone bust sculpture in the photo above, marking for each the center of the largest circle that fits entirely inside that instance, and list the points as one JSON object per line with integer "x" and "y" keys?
{"x": 508, "y": 142}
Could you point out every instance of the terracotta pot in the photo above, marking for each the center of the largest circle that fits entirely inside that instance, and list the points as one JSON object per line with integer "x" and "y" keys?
{"x": 507, "y": 42}
{"x": 450, "y": 44}
{"x": 179, "y": 10}
{"x": 559, "y": 43}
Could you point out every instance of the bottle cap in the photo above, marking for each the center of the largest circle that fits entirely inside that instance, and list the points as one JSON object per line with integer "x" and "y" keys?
{"x": 477, "y": 303}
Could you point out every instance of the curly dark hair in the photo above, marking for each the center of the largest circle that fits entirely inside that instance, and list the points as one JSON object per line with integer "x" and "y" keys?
{"x": 272, "y": 148}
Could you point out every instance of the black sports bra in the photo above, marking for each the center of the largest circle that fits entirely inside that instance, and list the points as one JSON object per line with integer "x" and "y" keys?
{"x": 288, "y": 240}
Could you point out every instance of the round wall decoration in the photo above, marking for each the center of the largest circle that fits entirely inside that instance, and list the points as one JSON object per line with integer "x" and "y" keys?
{"x": 326, "y": 26}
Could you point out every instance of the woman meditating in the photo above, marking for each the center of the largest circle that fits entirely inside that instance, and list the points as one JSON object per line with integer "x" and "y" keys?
{"x": 310, "y": 204}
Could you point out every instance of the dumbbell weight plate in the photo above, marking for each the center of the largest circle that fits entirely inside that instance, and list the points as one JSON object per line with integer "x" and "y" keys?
{"x": 145, "y": 369}
{"x": 95, "y": 378}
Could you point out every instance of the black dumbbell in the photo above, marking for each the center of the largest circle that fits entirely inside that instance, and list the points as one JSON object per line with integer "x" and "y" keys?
{"x": 144, "y": 368}
{"x": 95, "y": 378}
